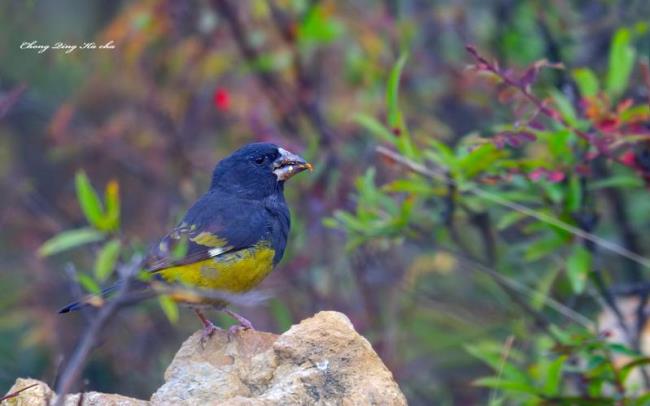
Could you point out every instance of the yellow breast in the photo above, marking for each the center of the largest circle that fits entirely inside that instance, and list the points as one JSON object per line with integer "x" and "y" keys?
{"x": 235, "y": 272}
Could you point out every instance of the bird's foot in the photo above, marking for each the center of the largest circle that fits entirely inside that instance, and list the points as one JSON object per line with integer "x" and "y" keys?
{"x": 244, "y": 323}
{"x": 208, "y": 330}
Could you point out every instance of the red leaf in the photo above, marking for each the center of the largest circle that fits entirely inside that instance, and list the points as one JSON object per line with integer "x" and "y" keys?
{"x": 628, "y": 159}
{"x": 536, "y": 125}
{"x": 543, "y": 173}
{"x": 499, "y": 141}
{"x": 624, "y": 105}
{"x": 551, "y": 113}
{"x": 607, "y": 125}
{"x": 511, "y": 139}
{"x": 555, "y": 176}
{"x": 529, "y": 76}
{"x": 537, "y": 174}
{"x": 527, "y": 136}
{"x": 583, "y": 170}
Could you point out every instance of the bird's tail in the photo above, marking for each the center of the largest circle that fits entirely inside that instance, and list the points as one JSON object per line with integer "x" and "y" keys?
{"x": 88, "y": 300}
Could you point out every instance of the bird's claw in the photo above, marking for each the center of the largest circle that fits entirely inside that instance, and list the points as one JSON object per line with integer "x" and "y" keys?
{"x": 234, "y": 330}
{"x": 244, "y": 324}
{"x": 208, "y": 330}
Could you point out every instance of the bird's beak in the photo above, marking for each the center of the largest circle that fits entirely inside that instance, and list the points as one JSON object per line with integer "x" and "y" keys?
{"x": 289, "y": 164}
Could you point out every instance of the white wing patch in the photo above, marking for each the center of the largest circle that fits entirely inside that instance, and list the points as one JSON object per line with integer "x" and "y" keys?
{"x": 214, "y": 252}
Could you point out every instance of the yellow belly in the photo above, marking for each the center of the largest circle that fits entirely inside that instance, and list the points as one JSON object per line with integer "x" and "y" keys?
{"x": 235, "y": 272}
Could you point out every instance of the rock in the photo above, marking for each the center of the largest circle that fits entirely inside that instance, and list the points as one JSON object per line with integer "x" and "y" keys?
{"x": 322, "y": 361}
{"x": 39, "y": 394}
{"x": 33, "y": 393}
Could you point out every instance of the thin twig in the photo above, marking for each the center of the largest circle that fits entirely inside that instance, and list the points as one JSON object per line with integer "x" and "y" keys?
{"x": 645, "y": 72}
{"x": 305, "y": 101}
{"x": 505, "y": 353}
{"x": 525, "y": 290}
{"x": 268, "y": 81}
{"x": 11, "y": 99}
{"x": 16, "y": 393}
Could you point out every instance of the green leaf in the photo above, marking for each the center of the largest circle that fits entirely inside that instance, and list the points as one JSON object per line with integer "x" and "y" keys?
{"x": 480, "y": 160}
{"x": 629, "y": 367}
{"x": 88, "y": 199}
{"x": 319, "y": 26}
{"x": 643, "y": 400}
{"x": 543, "y": 286}
{"x": 375, "y": 127}
{"x": 492, "y": 354}
{"x": 578, "y": 266}
{"x": 634, "y": 113}
{"x": 414, "y": 185}
{"x": 112, "y": 198}
{"x": 503, "y": 384}
{"x": 565, "y": 107}
{"x": 587, "y": 82}
{"x": 554, "y": 376}
{"x": 623, "y": 181}
{"x": 442, "y": 155}
{"x": 392, "y": 93}
{"x": 106, "y": 259}
{"x": 69, "y": 239}
{"x": 349, "y": 221}
{"x": 331, "y": 222}
{"x": 622, "y": 349}
{"x": 88, "y": 284}
{"x": 169, "y": 307}
{"x": 621, "y": 62}
{"x": 543, "y": 247}
{"x": 509, "y": 219}
{"x": 574, "y": 195}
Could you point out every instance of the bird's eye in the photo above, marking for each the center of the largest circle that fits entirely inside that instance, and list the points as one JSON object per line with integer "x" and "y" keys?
{"x": 260, "y": 160}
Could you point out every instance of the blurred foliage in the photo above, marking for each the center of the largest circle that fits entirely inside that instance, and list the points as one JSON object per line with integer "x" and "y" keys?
{"x": 489, "y": 250}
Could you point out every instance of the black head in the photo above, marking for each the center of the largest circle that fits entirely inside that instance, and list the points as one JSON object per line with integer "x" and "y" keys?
{"x": 257, "y": 170}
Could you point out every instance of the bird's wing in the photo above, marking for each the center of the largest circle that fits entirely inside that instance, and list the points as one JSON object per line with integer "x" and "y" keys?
{"x": 214, "y": 226}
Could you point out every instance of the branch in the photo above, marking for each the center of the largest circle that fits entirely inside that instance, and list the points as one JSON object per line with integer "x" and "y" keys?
{"x": 77, "y": 361}
{"x": 438, "y": 174}
{"x": 522, "y": 85}
{"x": 269, "y": 82}
{"x": 126, "y": 296}
{"x": 304, "y": 102}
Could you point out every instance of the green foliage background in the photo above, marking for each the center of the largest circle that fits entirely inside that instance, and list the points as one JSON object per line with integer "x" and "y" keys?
{"x": 467, "y": 300}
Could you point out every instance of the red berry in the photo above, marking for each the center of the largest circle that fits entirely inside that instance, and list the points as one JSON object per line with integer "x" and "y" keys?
{"x": 221, "y": 99}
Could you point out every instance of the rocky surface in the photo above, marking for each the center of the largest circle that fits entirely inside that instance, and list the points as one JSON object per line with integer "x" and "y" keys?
{"x": 39, "y": 394}
{"x": 322, "y": 360}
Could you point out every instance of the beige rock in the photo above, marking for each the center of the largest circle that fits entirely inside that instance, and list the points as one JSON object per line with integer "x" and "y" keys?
{"x": 41, "y": 395}
{"x": 35, "y": 396}
{"x": 321, "y": 361}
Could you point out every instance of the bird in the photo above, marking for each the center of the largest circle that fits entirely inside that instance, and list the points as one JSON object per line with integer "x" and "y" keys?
{"x": 232, "y": 237}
